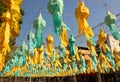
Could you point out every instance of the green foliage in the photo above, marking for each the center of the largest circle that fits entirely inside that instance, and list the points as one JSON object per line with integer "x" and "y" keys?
{"x": 0, "y": 22}
{"x": 12, "y": 41}
{"x": 22, "y": 11}
{"x": 2, "y": 7}
{"x": 21, "y": 20}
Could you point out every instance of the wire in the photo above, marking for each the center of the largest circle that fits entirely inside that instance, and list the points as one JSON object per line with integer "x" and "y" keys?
{"x": 69, "y": 15}
{"x": 102, "y": 23}
{"x": 42, "y": 7}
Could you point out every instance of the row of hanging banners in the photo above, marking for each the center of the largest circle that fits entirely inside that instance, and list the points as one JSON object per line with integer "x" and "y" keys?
{"x": 37, "y": 60}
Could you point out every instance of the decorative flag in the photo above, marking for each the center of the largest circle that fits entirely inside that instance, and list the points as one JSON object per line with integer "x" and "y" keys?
{"x": 66, "y": 63}
{"x": 94, "y": 62}
{"x": 89, "y": 65}
{"x": 91, "y": 48}
{"x": 62, "y": 51}
{"x": 49, "y": 47}
{"x": 55, "y": 8}
{"x": 81, "y": 14}
{"x": 39, "y": 25}
{"x": 64, "y": 37}
{"x": 72, "y": 45}
{"x": 104, "y": 63}
{"x": 110, "y": 20}
{"x": 31, "y": 43}
{"x": 101, "y": 39}
{"x": 4, "y": 38}
{"x": 82, "y": 64}
{"x": 35, "y": 57}
{"x": 41, "y": 56}
{"x": 24, "y": 49}
{"x": 117, "y": 58}
{"x": 110, "y": 56}
{"x": 5, "y": 32}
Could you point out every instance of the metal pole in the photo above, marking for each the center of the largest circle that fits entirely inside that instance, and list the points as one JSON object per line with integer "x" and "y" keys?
{"x": 30, "y": 77}
{"x": 62, "y": 79}
{"x": 48, "y": 79}
{"x": 75, "y": 80}
{"x": 10, "y": 79}
{"x": 15, "y": 79}
{"x": 99, "y": 77}
{"x": 58, "y": 79}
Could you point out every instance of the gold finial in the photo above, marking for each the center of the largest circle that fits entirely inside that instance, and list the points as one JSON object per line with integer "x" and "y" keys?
{"x": 49, "y": 39}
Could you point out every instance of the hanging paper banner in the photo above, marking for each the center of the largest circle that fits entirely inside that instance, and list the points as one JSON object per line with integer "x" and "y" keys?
{"x": 55, "y": 7}
{"x": 110, "y": 20}
{"x": 117, "y": 58}
{"x": 81, "y": 14}
{"x": 64, "y": 37}
{"x": 39, "y": 25}
{"x": 32, "y": 44}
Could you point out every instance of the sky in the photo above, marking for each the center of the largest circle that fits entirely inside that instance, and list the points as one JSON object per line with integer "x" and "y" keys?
{"x": 33, "y": 8}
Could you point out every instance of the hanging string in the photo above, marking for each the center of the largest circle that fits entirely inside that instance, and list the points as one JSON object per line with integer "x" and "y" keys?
{"x": 42, "y": 7}
{"x": 106, "y": 29}
{"x": 96, "y": 34}
{"x": 106, "y": 9}
{"x": 105, "y": 5}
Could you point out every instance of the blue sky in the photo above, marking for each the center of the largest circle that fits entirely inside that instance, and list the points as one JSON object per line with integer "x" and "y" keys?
{"x": 32, "y": 10}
